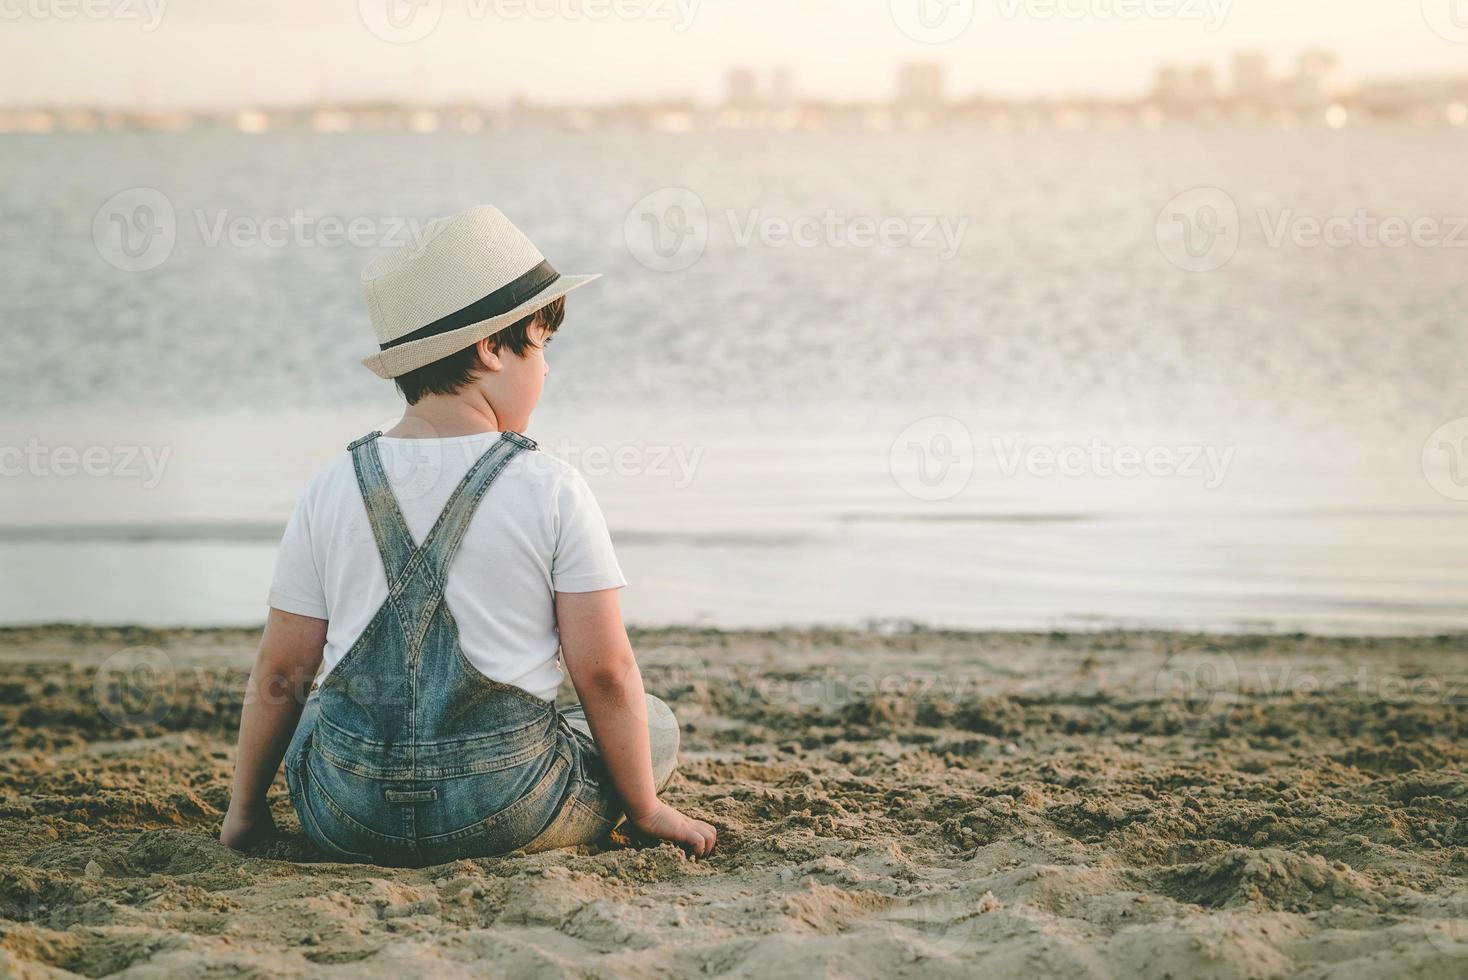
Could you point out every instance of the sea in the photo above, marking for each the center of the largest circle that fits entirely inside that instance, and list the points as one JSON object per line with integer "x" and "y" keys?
{"x": 1189, "y": 378}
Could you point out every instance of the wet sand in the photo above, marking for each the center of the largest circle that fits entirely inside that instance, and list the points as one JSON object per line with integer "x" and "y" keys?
{"x": 903, "y": 803}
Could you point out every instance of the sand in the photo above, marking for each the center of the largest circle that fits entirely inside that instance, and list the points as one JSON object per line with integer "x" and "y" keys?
{"x": 891, "y": 803}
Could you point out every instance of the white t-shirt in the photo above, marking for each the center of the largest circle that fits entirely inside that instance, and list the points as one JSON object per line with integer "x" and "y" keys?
{"x": 536, "y": 532}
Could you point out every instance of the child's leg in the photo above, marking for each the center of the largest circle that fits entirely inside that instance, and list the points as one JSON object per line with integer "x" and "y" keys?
{"x": 595, "y": 810}
{"x": 662, "y": 733}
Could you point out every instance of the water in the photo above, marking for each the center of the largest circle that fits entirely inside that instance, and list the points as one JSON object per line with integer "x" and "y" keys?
{"x": 782, "y": 434}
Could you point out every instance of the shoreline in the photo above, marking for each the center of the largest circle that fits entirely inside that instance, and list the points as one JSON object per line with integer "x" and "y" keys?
{"x": 86, "y": 632}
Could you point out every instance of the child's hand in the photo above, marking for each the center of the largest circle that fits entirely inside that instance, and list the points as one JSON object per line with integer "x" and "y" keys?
{"x": 666, "y": 823}
{"x": 243, "y": 830}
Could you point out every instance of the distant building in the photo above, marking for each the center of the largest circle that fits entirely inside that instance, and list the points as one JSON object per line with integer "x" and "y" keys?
{"x": 1426, "y": 99}
{"x": 1185, "y": 87}
{"x": 743, "y": 90}
{"x": 920, "y": 86}
{"x": 1202, "y": 85}
{"x": 1317, "y": 81}
{"x": 1170, "y": 87}
{"x": 1250, "y": 77}
{"x": 782, "y": 89}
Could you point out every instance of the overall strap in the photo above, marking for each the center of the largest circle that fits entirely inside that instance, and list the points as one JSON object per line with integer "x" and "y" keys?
{"x": 394, "y": 543}
{"x": 443, "y": 541}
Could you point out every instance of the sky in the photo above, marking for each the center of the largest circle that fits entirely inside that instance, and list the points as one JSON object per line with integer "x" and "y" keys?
{"x": 210, "y": 53}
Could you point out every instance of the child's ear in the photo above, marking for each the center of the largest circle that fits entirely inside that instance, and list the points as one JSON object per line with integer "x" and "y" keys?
{"x": 489, "y": 358}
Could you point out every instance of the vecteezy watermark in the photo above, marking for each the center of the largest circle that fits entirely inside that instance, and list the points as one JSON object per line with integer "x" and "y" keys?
{"x": 147, "y": 13}
{"x": 407, "y": 21}
{"x": 1361, "y": 230}
{"x": 1212, "y": 14}
{"x": 136, "y": 686}
{"x": 834, "y": 229}
{"x": 1097, "y": 458}
{"x": 1212, "y": 682}
{"x": 956, "y": 922}
{"x": 1448, "y": 19}
{"x": 144, "y": 463}
{"x": 670, "y": 229}
{"x": 1445, "y": 459}
{"x": 135, "y": 229}
{"x": 1449, "y": 934}
{"x": 1205, "y": 682}
{"x": 400, "y": 21}
{"x": 677, "y": 674}
{"x": 1200, "y": 230}
{"x": 932, "y": 21}
{"x": 138, "y": 229}
{"x": 1364, "y": 685}
{"x": 933, "y": 458}
{"x": 676, "y": 464}
{"x": 667, "y": 230}
{"x": 300, "y": 229}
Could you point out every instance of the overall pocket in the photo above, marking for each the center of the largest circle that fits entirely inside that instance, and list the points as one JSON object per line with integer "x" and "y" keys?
{"x": 508, "y": 827}
{"x": 323, "y": 819}
{"x": 577, "y": 823}
{"x": 336, "y": 809}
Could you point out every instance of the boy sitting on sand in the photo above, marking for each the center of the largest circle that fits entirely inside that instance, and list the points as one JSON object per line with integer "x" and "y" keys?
{"x": 436, "y": 571}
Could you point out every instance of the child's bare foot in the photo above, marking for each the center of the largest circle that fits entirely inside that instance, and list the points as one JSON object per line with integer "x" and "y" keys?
{"x": 667, "y": 823}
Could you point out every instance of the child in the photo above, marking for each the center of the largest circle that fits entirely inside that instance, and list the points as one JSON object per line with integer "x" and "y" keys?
{"x": 436, "y": 570}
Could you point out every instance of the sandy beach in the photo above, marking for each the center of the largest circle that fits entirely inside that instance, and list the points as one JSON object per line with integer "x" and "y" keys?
{"x": 904, "y": 803}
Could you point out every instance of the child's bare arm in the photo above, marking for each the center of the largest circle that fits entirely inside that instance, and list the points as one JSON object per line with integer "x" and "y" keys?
{"x": 599, "y": 656}
{"x": 289, "y": 656}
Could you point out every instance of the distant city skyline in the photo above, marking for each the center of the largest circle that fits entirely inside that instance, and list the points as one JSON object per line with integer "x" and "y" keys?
{"x": 272, "y": 52}
{"x": 1252, "y": 90}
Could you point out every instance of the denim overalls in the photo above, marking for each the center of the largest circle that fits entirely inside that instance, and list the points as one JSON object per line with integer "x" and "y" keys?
{"x": 407, "y": 755}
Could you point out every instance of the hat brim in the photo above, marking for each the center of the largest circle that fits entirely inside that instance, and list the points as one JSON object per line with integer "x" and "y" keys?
{"x": 396, "y": 361}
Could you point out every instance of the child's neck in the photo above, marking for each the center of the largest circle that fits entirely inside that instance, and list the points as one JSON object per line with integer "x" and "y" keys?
{"x": 445, "y": 416}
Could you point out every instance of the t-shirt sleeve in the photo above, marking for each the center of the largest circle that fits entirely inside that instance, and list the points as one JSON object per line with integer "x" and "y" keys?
{"x": 584, "y": 558}
{"x": 296, "y": 586}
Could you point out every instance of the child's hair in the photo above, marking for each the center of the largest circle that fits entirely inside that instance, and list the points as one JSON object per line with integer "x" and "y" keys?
{"x": 449, "y": 375}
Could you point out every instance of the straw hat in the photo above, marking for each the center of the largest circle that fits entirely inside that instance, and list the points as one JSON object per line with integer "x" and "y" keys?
{"x": 464, "y": 278}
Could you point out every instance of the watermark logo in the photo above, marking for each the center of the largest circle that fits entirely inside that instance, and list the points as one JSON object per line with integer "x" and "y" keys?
{"x": 1208, "y": 464}
{"x": 679, "y": 13}
{"x": 677, "y": 674}
{"x": 414, "y": 463}
{"x": 1212, "y": 14}
{"x": 301, "y": 229}
{"x": 676, "y": 464}
{"x": 833, "y": 229}
{"x": 400, "y": 21}
{"x": 135, "y": 230}
{"x": 148, "y": 13}
{"x": 933, "y": 458}
{"x": 135, "y": 687}
{"x": 1445, "y": 459}
{"x": 1450, "y": 935}
{"x": 932, "y": 21}
{"x": 1203, "y": 683}
{"x": 143, "y": 463}
{"x": 1362, "y": 230}
{"x": 1448, "y": 19}
{"x": 138, "y": 229}
{"x": 1198, "y": 230}
{"x": 667, "y": 230}
{"x": 408, "y": 21}
{"x": 671, "y": 228}
{"x": 949, "y": 924}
